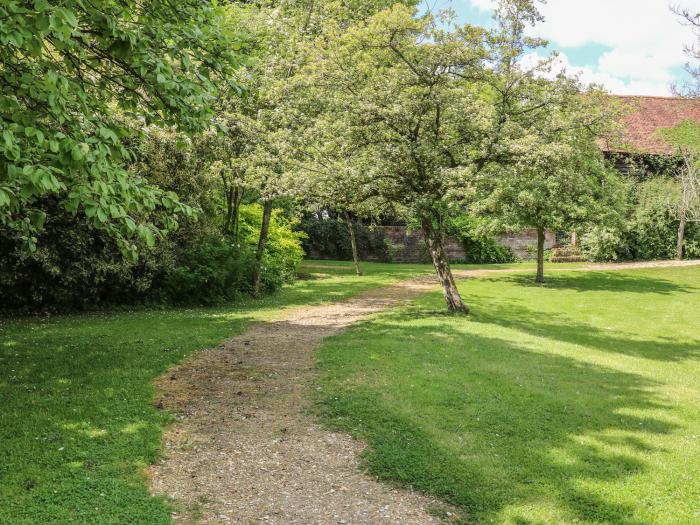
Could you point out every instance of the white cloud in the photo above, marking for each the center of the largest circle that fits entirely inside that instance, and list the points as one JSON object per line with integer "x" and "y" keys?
{"x": 485, "y": 5}
{"x": 658, "y": 86}
{"x": 645, "y": 38}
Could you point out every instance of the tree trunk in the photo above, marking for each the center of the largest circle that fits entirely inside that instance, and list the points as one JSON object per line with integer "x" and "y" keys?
{"x": 353, "y": 243}
{"x": 229, "y": 210}
{"x": 433, "y": 239}
{"x": 233, "y": 207}
{"x": 540, "y": 255}
{"x": 236, "y": 213}
{"x": 681, "y": 235}
{"x": 262, "y": 241}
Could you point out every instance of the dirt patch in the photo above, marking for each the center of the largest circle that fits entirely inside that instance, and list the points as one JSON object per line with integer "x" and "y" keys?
{"x": 642, "y": 265}
{"x": 244, "y": 448}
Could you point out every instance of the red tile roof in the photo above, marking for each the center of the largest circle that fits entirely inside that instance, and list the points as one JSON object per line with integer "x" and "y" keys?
{"x": 646, "y": 115}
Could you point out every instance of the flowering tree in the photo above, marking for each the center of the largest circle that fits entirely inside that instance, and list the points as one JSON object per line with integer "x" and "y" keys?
{"x": 559, "y": 179}
{"x": 421, "y": 107}
{"x": 276, "y": 117}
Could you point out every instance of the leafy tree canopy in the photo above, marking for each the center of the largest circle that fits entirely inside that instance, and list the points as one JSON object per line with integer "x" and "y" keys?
{"x": 77, "y": 80}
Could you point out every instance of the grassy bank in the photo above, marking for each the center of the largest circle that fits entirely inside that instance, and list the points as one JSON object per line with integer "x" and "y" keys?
{"x": 576, "y": 402}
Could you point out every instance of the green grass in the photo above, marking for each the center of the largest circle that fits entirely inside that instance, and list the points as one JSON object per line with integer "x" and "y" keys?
{"x": 77, "y": 425}
{"x": 577, "y": 402}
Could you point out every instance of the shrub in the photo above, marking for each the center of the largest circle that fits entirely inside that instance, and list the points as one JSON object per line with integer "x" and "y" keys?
{"x": 392, "y": 249}
{"x": 75, "y": 266}
{"x": 602, "y": 244}
{"x": 214, "y": 269}
{"x": 78, "y": 267}
{"x": 648, "y": 229}
{"x": 284, "y": 249}
{"x": 330, "y": 239}
{"x": 480, "y": 246}
{"x": 211, "y": 271}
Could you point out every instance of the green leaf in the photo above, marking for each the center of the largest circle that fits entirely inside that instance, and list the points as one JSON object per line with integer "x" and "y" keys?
{"x": 43, "y": 23}
{"x": 67, "y": 16}
{"x": 150, "y": 239}
{"x": 4, "y": 197}
{"x": 130, "y": 224}
{"x": 37, "y": 218}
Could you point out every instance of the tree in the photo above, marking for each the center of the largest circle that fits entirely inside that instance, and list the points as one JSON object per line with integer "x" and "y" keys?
{"x": 685, "y": 136}
{"x": 692, "y": 18}
{"x": 420, "y": 107}
{"x": 338, "y": 193}
{"x": 226, "y": 155}
{"x": 560, "y": 180}
{"x": 386, "y": 98}
{"x": 326, "y": 178}
{"x": 284, "y": 30}
{"x": 77, "y": 81}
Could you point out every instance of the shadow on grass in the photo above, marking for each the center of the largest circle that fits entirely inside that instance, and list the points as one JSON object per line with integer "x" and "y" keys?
{"x": 488, "y": 424}
{"x": 562, "y": 327}
{"x": 597, "y": 281}
{"x": 77, "y": 424}
{"x": 77, "y": 421}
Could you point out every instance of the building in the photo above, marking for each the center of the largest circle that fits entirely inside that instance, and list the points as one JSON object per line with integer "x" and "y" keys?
{"x": 639, "y": 139}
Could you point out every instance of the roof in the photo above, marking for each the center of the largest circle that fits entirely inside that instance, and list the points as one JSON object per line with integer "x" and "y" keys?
{"x": 645, "y": 115}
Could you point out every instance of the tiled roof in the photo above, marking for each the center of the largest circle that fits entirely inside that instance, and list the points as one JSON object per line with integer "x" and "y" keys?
{"x": 645, "y": 115}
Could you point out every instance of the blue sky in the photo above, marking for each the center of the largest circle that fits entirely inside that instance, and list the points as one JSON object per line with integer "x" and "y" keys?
{"x": 632, "y": 47}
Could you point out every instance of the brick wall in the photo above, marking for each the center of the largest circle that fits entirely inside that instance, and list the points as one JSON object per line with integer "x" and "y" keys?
{"x": 413, "y": 248}
{"x": 519, "y": 242}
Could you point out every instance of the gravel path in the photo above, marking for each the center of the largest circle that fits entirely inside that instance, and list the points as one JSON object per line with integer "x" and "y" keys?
{"x": 244, "y": 448}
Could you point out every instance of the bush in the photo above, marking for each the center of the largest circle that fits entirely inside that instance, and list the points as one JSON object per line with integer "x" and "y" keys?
{"x": 392, "y": 249}
{"x": 78, "y": 267}
{"x": 330, "y": 239}
{"x": 602, "y": 244}
{"x": 74, "y": 267}
{"x": 648, "y": 230}
{"x": 284, "y": 246}
{"x": 210, "y": 272}
{"x": 480, "y": 246}
{"x": 213, "y": 269}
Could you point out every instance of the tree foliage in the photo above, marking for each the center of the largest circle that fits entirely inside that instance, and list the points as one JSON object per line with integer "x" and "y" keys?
{"x": 560, "y": 179}
{"x": 78, "y": 80}
{"x": 422, "y": 110}
{"x": 685, "y": 136}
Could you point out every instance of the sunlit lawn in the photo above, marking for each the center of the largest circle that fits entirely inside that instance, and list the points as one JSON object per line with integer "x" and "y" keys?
{"x": 77, "y": 425}
{"x": 577, "y": 402}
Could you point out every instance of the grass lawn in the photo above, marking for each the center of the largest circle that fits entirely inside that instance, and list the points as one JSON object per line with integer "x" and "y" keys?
{"x": 77, "y": 425}
{"x": 576, "y": 402}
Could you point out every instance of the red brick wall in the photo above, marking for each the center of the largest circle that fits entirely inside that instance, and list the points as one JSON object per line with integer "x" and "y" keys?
{"x": 414, "y": 249}
{"x": 518, "y": 242}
